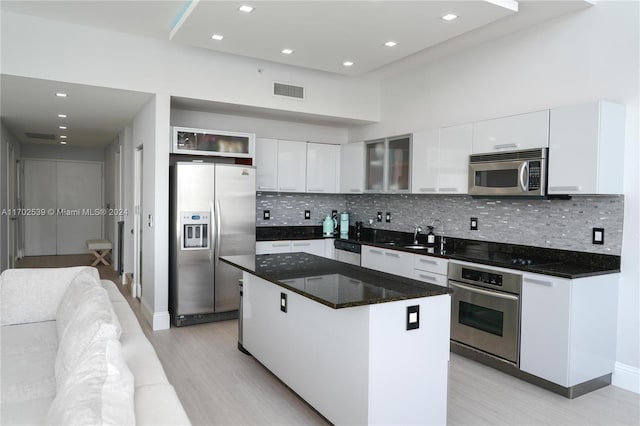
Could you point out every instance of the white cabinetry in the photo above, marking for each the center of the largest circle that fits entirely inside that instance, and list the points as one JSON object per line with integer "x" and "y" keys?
{"x": 568, "y": 327}
{"x": 430, "y": 269}
{"x": 316, "y": 247}
{"x": 513, "y": 133}
{"x": 266, "y": 164}
{"x": 440, "y": 160}
{"x": 323, "y": 165}
{"x": 352, "y": 168}
{"x": 586, "y": 149}
{"x": 292, "y": 166}
{"x": 391, "y": 261}
{"x": 425, "y": 161}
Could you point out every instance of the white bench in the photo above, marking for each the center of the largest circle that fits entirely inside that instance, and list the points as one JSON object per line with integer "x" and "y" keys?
{"x": 100, "y": 249}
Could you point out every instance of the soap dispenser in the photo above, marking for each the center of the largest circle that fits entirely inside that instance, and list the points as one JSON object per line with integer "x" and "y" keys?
{"x": 431, "y": 237}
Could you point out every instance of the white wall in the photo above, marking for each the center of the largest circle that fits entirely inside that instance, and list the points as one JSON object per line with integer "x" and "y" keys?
{"x": 110, "y": 224}
{"x": 86, "y": 55}
{"x": 60, "y": 152}
{"x": 263, "y": 128}
{"x": 589, "y": 55}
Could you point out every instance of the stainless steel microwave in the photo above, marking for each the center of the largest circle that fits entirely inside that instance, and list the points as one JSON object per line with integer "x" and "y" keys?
{"x": 514, "y": 173}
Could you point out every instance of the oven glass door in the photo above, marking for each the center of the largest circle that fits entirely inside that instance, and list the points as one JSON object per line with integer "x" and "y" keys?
{"x": 499, "y": 178}
{"x": 486, "y": 320}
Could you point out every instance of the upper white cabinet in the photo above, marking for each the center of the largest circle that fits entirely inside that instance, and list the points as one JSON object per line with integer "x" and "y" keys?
{"x": 440, "y": 160}
{"x": 323, "y": 165}
{"x": 352, "y": 168}
{"x": 586, "y": 149}
{"x": 292, "y": 166}
{"x": 266, "y": 164}
{"x": 514, "y": 133}
{"x": 425, "y": 161}
{"x": 388, "y": 164}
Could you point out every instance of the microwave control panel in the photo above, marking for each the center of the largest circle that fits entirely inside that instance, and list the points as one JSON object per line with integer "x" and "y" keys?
{"x": 534, "y": 175}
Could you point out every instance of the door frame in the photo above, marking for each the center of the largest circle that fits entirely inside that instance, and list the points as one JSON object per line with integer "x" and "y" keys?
{"x": 136, "y": 285}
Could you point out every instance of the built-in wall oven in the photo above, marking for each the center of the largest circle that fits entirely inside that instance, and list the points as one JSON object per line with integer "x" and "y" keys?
{"x": 485, "y": 311}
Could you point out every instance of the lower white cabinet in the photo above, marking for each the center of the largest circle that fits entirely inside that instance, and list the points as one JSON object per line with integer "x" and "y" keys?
{"x": 389, "y": 261}
{"x": 316, "y": 247}
{"x": 568, "y": 327}
{"x": 430, "y": 269}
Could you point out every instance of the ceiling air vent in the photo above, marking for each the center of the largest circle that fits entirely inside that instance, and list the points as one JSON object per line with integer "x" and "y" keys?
{"x": 288, "y": 90}
{"x": 45, "y": 136}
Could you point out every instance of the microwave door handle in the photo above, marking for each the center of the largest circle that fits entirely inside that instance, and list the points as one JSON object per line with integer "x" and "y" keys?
{"x": 524, "y": 176}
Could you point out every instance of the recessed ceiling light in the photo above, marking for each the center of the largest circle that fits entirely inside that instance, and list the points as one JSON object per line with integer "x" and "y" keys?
{"x": 62, "y": 127}
{"x": 246, "y": 8}
{"x": 62, "y": 115}
{"x": 63, "y": 136}
{"x": 63, "y": 142}
{"x": 390, "y": 43}
{"x": 287, "y": 51}
{"x": 217, "y": 37}
{"x": 61, "y": 95}
{"x": 347, "y": 63}
{"x": 449, "y": 17}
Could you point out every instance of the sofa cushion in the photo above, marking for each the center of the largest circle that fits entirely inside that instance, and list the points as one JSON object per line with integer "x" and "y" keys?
{"x": 99, "y": 390}
{"x": 93, "y": 321}
{"x": 159, "y": 405}
{"x": 28, "y": 413}
{"x": 142, "y": 360}
{"x": 28, "y": 358}
{"x": 76, "y": 293}
{"x": 33, "y": 294}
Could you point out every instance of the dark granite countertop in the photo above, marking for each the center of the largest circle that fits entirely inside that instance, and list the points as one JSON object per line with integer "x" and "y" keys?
{"x": 560, "y": 263}
{"x": 332, "y": 283}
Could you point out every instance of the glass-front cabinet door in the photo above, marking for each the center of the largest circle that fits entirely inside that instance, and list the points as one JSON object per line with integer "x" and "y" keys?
{"x": 387, "y": 163}
{"x": 374, "y": 162}
{"x": 192, "y": 141}
{"x": 398, "y": 161}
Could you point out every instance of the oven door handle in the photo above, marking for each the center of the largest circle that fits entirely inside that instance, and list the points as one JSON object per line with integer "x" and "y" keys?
{"x": 484, "y": 292}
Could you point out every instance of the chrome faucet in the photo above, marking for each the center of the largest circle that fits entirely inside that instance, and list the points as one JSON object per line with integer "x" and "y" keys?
{"x": 416, "y": 231}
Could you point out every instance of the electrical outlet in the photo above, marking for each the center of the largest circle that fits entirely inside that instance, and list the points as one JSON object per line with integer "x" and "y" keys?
{"x": 283, "y": 302}
{"x": 379, "y": 216}
{"x": 473, "y": 224}
{"x": 388, "y": 217}
{"x": 266, "y": 214}
{"x": 598, "y": 236}
{"x": 307, "y": 214}
{"x": 413, "y": 317}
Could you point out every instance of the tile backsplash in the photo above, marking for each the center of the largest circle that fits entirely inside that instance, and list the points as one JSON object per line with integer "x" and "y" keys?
{"x": 559, "y": 224}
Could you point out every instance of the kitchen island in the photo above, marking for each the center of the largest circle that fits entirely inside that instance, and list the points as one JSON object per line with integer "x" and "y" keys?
{"x": 360, "y": 346}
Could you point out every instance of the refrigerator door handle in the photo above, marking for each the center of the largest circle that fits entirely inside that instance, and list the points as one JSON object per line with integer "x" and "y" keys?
{"x": 217, "y": 237}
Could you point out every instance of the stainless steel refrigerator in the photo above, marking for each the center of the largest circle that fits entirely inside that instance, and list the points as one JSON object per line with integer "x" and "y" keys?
{"x": 213, "y": 210}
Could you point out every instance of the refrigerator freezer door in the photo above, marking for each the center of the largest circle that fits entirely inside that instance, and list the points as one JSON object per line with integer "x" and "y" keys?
{"x": 235, "y": 228}
{"x": 193, "y": 288}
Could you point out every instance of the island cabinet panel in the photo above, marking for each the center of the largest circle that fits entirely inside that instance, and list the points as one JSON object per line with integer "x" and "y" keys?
{"x": 568, "y": 329}
{"x": 355, "y": 365}
{"x": 317, "y": 247}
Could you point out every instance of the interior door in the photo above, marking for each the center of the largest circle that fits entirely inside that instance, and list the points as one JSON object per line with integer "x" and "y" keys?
{"x": 40, "y": 191}
{"x": 79, "y": 191}
{"x": 12, "y": 223}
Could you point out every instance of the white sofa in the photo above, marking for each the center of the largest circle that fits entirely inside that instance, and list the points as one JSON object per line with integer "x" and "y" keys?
{"x": 101, "y": 370}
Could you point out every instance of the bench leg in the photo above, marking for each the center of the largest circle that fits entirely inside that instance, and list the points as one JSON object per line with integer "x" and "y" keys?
{"x": 100, "y": 256}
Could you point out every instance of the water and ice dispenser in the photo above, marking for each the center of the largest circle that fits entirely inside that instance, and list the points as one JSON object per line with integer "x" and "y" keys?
{"x": 195, "y": 230}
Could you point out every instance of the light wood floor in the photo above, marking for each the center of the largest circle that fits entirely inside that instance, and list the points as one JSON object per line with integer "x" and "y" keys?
{"x": 218, "y": 385}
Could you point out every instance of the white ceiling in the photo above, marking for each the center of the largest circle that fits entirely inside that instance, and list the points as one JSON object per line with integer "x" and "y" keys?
{"x": 323, "y": 34}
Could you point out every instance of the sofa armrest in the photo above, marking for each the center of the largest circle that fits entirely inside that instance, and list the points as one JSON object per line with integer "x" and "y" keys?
{"x": 158, "y": 405}
{"x": 33, "y": 294}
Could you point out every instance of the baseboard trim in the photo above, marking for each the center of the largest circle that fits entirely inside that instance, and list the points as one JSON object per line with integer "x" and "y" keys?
{"x": 626, "y": 377}
{"x": 157, "y": 320}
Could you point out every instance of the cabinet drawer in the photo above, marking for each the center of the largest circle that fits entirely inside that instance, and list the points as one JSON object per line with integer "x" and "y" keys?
{"x": 430, "y": 277}
{"x": 433, "y": 264}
